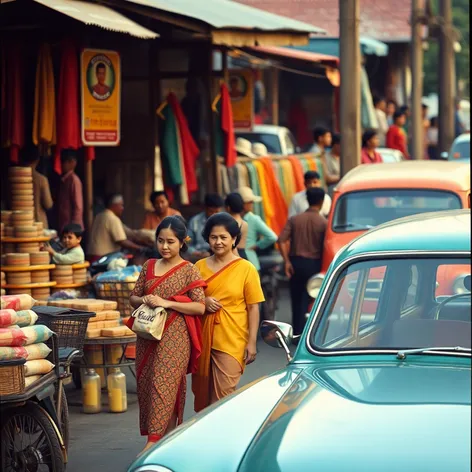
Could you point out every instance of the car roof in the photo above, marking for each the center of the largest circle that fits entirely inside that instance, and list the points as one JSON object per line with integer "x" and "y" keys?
{"x": 267, "y": 129}
{"x": 407, "y": 174}
{"x": 463, "y": 138}
{"x": 445, "y": 231}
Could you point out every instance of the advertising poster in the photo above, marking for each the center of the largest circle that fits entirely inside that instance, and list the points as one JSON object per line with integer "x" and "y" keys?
{"x": 101, "y": 92}
{"x": 241, "y": 91}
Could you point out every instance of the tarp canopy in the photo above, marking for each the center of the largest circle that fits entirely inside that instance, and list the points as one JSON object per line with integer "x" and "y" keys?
{"x": 98, "y": 15}
{"x": 233, "y": 24}
{"x": 330, "y": 46}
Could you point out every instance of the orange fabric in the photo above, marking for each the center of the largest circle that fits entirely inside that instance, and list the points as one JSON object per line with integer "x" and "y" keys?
{"x": 267, "y": 204}
{"x": 297, "y": 173}
{"x": 227, "y": 126}
{"x": 311, "y": 163}
{"x": 276, "y": 197}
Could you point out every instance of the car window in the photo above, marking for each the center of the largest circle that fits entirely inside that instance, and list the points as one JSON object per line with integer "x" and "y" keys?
{"x": 290, "y": 145}
{"x": 370, "y": 306}
{"x": 460, "y": 151}
{"x": 271, "y": 141}
{"x": 356, "y": 211}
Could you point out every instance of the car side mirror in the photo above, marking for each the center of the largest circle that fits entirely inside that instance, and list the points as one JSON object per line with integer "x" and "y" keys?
{"x": 444, "y": 155}
{"x": 278, "y": 334}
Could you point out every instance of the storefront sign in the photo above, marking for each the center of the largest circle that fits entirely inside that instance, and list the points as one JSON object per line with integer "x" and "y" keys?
{"x": 241, "y": 91}
{"x": 101, "y": 92}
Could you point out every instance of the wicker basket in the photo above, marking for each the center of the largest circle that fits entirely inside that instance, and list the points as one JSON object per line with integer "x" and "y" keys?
{"x": 118, "y": 292}
{"x": 12, "y": 377}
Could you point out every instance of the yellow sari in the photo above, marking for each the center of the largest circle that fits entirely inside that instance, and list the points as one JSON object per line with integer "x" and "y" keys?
{"x": 235, "y": 286}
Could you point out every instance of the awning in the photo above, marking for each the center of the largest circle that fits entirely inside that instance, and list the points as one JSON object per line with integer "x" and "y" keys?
{"x": 296, "y": 54}
{"x": 233, "y": 24}
{"x": 330, "y": 46}
{"x": 98, "y": 15}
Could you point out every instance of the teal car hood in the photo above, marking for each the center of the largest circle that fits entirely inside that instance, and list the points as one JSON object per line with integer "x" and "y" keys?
{"x": 373, "y": 417}
{"x": 377, "y": 416}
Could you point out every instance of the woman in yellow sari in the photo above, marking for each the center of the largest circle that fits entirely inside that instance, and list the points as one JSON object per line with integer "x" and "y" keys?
{"x": 231, "y": 321}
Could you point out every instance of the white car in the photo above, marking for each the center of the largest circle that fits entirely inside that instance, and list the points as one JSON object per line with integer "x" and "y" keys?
{"x": 277, "y": 139}
{"x": 390, "y": 155}
{"x": 460, "y": 149}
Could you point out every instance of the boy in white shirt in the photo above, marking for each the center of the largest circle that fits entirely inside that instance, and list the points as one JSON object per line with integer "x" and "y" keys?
{"x": 72, "y": 253}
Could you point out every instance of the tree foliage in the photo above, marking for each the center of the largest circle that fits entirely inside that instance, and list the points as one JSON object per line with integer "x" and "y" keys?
{"x": 460, "y": 19}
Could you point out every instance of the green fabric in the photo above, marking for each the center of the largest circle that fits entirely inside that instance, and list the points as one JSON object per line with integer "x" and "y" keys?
{"x": 319, "y": 168}
{"x": 219, "y": 134}
{"x": 170, "y": 149}
{"x": 254, "y": 181}
{"x": 280, "y": 177}
{"x": 305, "y": 165}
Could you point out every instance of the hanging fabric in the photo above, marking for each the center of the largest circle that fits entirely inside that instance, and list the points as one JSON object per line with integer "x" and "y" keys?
{"x": 44, "y": 115}
{"x": 68, "y": 110}
{"x": 297, "y": 173}
{"x": 267, "y": 204}
{"x": 254, "y": 184}
{"x": 289, "y": 180}
{"x": 243, "y": 176}
{"x": 224, "y": 127}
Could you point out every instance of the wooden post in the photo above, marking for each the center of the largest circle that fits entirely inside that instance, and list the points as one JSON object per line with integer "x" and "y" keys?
{"x": 88, "y": 194}
{"x": 350, "y": 94}
{"x": 275, "y": 96}
{"x": 417, "y": 129}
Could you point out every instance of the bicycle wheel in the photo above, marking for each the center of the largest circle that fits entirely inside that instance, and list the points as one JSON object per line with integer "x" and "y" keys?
{"x": 29, "y": 442}
{"x": 64, "y": 418}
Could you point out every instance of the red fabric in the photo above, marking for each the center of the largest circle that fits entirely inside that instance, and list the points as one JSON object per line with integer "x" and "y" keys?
{"x": 15, "y": 101}
{"x": 227, "y": 126}
{"x": 298, "y": 124}
{"x": 298, "y": 173}
{"x": 89, "y": 153}
{"x": 276, "y": 197}
{"x": 396, "y": 139}
{"x": 68, "y": 108}
{"x": 366, "y": 159}
{"x": 189, "y": 147}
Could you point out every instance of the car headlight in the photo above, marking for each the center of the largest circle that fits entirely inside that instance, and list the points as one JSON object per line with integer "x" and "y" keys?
{"x": 458, "y": 286}
{"x": 152, "y": 468}
{"x": 314, "y": 284}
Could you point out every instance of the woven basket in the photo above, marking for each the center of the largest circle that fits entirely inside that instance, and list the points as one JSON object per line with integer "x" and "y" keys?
{"x": 12, "y": 377}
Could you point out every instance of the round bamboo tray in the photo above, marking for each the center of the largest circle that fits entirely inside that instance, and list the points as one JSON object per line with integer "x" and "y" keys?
{"x": 36, "y": 239}
{"x": 82, "y": 265}
{"x": 30, "y": 286}
{"x": 27, "y": 268}
{"x": 64, "y": 286}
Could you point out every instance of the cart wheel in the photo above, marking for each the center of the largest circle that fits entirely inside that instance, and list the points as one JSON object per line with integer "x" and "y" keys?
{"x": 29, "y": 441}
{"x": 76, "y": 377}
{"x": 64, "y": 419}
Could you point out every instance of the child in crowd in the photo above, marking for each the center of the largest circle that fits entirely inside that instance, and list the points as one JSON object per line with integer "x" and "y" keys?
{"x": 72, "y": 253}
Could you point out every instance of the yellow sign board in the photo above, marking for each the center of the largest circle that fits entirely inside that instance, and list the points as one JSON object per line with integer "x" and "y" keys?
{"x": 101, "y": 97}
{"x": 241, "y": 91}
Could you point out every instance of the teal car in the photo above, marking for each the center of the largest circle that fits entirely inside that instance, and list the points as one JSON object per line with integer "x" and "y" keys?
{"x": 381, "y": 377}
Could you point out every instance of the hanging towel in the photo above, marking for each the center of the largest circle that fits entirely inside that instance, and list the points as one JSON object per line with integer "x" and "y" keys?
{"x": 297, "y": 173}
{"x": 227, "y": 126}
{"x": 15, "y": 100}
{"x": 44, "y": 115}
{"x": 68, "y": 110}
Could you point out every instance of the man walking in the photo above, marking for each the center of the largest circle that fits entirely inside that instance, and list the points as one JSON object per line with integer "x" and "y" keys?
{"x": 299, "y": 201}
{"x": 304, "y": 234}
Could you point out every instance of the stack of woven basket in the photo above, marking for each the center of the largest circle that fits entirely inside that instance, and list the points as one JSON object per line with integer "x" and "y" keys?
{"x": 21, "y": 188}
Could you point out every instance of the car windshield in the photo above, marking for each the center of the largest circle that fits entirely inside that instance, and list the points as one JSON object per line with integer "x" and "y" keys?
{"x": 357, "y": 211}
{"x": 396, "y": 304}
{"x": 388, "y": 157}
{"x": 271, "y": 141}
{"x": 460, "y": 150}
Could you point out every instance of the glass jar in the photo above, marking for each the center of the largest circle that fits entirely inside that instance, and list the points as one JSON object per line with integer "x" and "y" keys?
{"x": 91, "y": 392}
{"x": 117, "y": 398}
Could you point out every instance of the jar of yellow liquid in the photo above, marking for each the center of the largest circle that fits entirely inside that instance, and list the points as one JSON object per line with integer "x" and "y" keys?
{"x": 94, "y": 356}
{"x": 117, "y": 399}
{"x": 114, "y": 353}
{"x": 91, "y": 392}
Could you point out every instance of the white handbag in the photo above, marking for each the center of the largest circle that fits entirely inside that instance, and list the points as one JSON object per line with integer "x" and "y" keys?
{"x": 149, "y": 323}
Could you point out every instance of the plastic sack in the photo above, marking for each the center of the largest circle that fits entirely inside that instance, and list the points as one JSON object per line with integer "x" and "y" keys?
{"x": 8, "y": 353}
{"x": 7, "y": 318}
{"x": 38, "y": 367}
{"x": 17, "y": 302}
{"x": 12, "y": 337}
{"x": 26, "y": 318}
{"x": 35, "y": 334}
{"x": 128, "y": 274}
{"x": 37, "y": 351}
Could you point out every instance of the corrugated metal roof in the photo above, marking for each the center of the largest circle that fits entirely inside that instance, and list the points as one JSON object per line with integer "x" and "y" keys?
{"x": 296, "y": 54}
{"x": 98, "y": 15}
{"x": 227, "y": 14}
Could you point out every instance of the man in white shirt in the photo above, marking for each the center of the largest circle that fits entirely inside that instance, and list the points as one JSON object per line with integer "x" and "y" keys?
{"x": 322, "y": 139}
{"x": 380, "y": 107}
{"x": 299, "y": 201}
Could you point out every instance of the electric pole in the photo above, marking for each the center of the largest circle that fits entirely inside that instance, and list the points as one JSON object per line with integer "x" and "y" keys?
{"x": 446, "y": 77}
{"x": 417, "y": 16}
{"x": 350, "y": 65}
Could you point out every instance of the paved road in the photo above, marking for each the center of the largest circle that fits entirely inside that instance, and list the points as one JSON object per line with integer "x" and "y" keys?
{"x": 108, "y": 442}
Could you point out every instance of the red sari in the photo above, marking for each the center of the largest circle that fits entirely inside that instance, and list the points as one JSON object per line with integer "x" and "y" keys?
{"x": 161, "y": 366}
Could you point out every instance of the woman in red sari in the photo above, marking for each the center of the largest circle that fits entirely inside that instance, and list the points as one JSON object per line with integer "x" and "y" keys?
{"x": 161, "y": 366}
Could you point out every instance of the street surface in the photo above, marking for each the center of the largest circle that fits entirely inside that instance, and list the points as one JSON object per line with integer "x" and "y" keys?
{"x": 108, "y": 442}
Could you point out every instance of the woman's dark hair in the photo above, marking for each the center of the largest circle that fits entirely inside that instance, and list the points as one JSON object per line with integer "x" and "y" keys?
{"x": 178, "y": 225}
{"x": 235, "y": 203}
{"x": 156, "y": 194}
{"x": 225, "y": 220}
{"x": 367, "y": 136}
{"x": 73, "y": 228}
{"x": 398, "y": 114}
{"x": 318, "y": 132}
